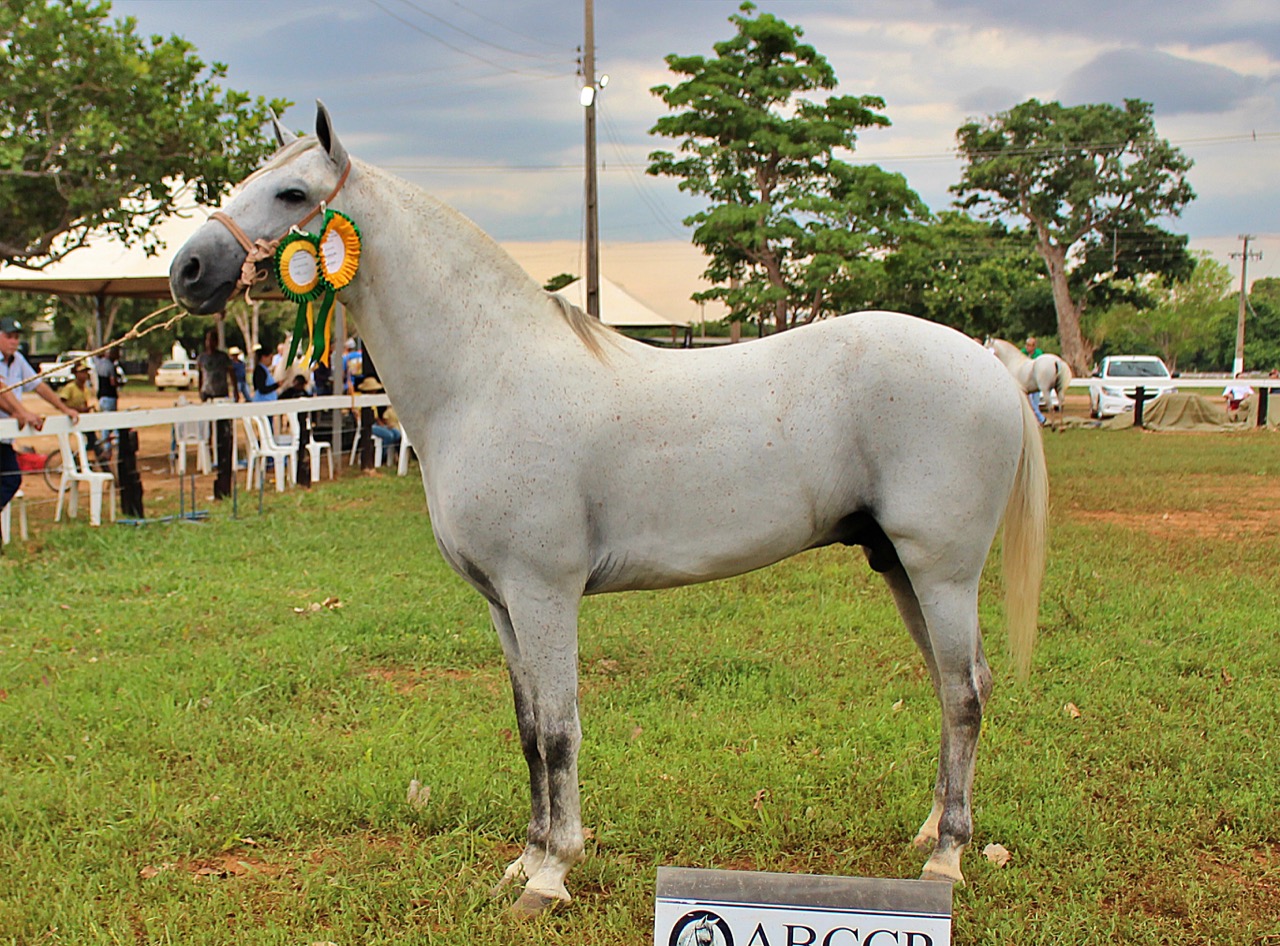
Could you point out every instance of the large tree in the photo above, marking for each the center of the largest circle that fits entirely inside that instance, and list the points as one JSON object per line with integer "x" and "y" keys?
{"x": 1079, "y": 177}
{"x": 98, "y": 125}
{"x": 788, "y": 220}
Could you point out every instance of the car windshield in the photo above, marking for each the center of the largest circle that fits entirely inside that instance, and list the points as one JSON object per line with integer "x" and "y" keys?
{"x": 172, "y": 366}
{"x": 1136, "y": 369}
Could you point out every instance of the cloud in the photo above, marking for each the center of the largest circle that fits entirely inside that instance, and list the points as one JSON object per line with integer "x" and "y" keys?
{"x": 1172, "y": 84}
{"x": 990, "y": 99}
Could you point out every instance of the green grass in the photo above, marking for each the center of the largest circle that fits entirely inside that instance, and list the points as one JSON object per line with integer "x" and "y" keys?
{"x": 187, "y": 760}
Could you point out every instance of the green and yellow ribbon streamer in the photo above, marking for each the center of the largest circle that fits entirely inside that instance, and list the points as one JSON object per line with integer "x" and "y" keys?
{"x": 310, "y": 267}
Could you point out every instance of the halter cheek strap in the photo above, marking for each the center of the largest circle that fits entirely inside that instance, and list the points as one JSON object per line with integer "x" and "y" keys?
{"x": 258, "y": 250}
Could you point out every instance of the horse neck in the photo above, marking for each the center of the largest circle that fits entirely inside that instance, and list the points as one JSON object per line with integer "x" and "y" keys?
{"x": 435, "y": 294}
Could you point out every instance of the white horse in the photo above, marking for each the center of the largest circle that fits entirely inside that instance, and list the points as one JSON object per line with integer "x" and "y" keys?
{"x": 1042, "y": 374}
{"x": 551, "y": 447}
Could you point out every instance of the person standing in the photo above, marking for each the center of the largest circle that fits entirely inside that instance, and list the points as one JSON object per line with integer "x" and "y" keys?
{"x": 238, "y": 369}
{"x": 110, "y": 378}
{"x": 265, "y": 387}
{"x": 217, "y": 372}
{"x": 17, "y": 372}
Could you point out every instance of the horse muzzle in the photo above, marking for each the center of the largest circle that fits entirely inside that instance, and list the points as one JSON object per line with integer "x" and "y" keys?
{"x": 205, "y": 270}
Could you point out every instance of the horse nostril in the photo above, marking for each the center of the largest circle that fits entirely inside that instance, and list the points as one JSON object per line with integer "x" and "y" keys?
{"x": 191, "y": 271}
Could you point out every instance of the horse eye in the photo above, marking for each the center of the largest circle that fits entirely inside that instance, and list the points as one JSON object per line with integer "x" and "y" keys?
{"x": 292, "y": 196}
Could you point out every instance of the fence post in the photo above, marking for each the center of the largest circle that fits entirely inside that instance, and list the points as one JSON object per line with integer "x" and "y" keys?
{"x": 1139, "y": 398}
{"x": 127, "y": 476}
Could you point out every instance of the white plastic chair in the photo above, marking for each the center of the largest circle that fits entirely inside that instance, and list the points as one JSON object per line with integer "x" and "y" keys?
{"x": 76, "y": 470}
{"x": 314, "y": 448}
{"x": 20, "y": 501}
{"x": 262, "y": 446}
{"x": 192, "y": 433}
{"x": 402, "y": 467}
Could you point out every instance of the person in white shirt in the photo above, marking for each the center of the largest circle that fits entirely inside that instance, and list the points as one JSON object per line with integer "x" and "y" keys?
{"x": 1235, "y": 393}
{"x": 16, "y": 376}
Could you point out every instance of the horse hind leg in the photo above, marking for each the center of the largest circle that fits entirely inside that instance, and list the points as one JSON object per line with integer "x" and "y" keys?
{"x": 944, "y": 623}
{"x": 909, "y": 607}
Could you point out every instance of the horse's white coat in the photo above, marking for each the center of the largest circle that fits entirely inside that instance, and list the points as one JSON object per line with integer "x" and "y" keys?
{"x": 552, "y": 471}
{"x": 1044, "y": 373}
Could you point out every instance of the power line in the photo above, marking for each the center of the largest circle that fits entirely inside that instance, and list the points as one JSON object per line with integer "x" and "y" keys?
{"x": 480, "y": 39}
{"x": 501, "y": 67}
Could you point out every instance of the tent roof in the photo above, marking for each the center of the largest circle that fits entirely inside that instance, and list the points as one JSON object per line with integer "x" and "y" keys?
{"x": 105, "y": 267}
{"x": 618, "y": 307}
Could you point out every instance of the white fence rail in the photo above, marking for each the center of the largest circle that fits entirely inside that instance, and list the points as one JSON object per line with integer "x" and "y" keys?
{"x": 209, "y": 411}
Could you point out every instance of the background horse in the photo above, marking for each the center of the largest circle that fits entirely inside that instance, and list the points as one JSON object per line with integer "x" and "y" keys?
{"x": 1038, "y": 375}
{"x": 551, "y": 446}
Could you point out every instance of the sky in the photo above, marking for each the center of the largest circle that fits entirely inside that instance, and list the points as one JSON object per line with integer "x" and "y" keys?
{"x": 478, "y": 100}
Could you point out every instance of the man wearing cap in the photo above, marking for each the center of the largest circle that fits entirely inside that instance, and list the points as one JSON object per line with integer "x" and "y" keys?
{"x": 76, "y": 393}
{"x": 16, "y": 373}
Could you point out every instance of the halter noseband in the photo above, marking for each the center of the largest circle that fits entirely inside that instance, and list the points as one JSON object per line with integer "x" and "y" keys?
{"x": 258, "y": 250}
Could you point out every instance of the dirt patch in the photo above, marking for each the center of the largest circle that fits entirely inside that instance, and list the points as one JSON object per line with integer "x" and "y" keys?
{"x": 411, "y": 680}
{"x": 1223, "y": 510}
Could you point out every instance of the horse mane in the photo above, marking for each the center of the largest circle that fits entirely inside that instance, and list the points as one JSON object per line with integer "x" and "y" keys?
{"x": 590, "y": 331}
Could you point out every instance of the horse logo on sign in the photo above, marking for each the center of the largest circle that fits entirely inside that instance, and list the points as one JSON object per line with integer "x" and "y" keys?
{"x": 701, "y": 928}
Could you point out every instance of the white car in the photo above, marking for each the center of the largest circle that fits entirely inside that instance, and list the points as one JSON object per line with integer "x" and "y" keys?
{"x": 62, "y": 368}
{"x": 177, "y": 374}
{"x": 1113, "y": 385}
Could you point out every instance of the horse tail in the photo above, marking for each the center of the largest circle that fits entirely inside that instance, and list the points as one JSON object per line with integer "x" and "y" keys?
{"x": 1025, "y": 530}
{"x": 1062, "y": 381}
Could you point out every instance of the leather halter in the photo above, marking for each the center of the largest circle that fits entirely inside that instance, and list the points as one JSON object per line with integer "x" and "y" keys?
{"x": 258, "y": 250}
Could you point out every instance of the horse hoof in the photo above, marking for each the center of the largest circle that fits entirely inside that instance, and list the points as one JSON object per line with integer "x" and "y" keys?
{"x": 938, "y": 877}
{"x": 532, "y": 904}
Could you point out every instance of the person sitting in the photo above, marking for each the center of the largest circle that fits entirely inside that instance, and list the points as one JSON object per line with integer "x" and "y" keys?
{"x": 297, "y": 387}
{"x": 77, "y": 394}
{"x": 1235, "y": 393}
{"x": 386, "y": 425}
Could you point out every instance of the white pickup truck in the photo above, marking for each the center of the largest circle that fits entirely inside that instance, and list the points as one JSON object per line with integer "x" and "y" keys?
{"x": 1112, "y": 387}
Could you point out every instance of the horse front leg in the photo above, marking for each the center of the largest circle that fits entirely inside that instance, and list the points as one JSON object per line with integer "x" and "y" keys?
{"x": 540, "y": 641}
{"x": 535, "y": 849}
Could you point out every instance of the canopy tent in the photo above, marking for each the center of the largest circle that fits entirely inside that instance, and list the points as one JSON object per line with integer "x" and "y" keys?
{"x": 105, "y": 267}
{"x": 619, "y": 308}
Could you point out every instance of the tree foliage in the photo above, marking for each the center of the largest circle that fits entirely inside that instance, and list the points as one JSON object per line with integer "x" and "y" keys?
{"x": 97, "y": 124}
{"x": 976, "y": 276}
{"x": 1080, "y": 177}
{"x": 1184, "y": 320}
{"x": 788, "y": 222}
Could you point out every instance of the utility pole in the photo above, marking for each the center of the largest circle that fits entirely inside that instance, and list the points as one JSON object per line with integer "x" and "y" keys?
{"x": 589, "y": 108}
{"x": 1244, "y": 256}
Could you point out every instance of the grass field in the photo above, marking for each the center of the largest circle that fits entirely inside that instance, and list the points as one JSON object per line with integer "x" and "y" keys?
{"x": 196, "y": 749}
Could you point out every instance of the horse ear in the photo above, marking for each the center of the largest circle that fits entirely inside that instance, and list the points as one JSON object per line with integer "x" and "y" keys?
{"x": 328, "y": 138}
{"x": 283, "y": 135}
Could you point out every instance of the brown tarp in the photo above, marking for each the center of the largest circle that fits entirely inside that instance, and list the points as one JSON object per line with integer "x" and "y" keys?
{"x": 1184, "y": 411}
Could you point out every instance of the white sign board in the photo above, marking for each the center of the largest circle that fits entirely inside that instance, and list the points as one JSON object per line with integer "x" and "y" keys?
{"x": 745, "y": 908}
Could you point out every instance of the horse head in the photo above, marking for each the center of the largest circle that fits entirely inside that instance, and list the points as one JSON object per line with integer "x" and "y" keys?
{"x": 286, "y": 192}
